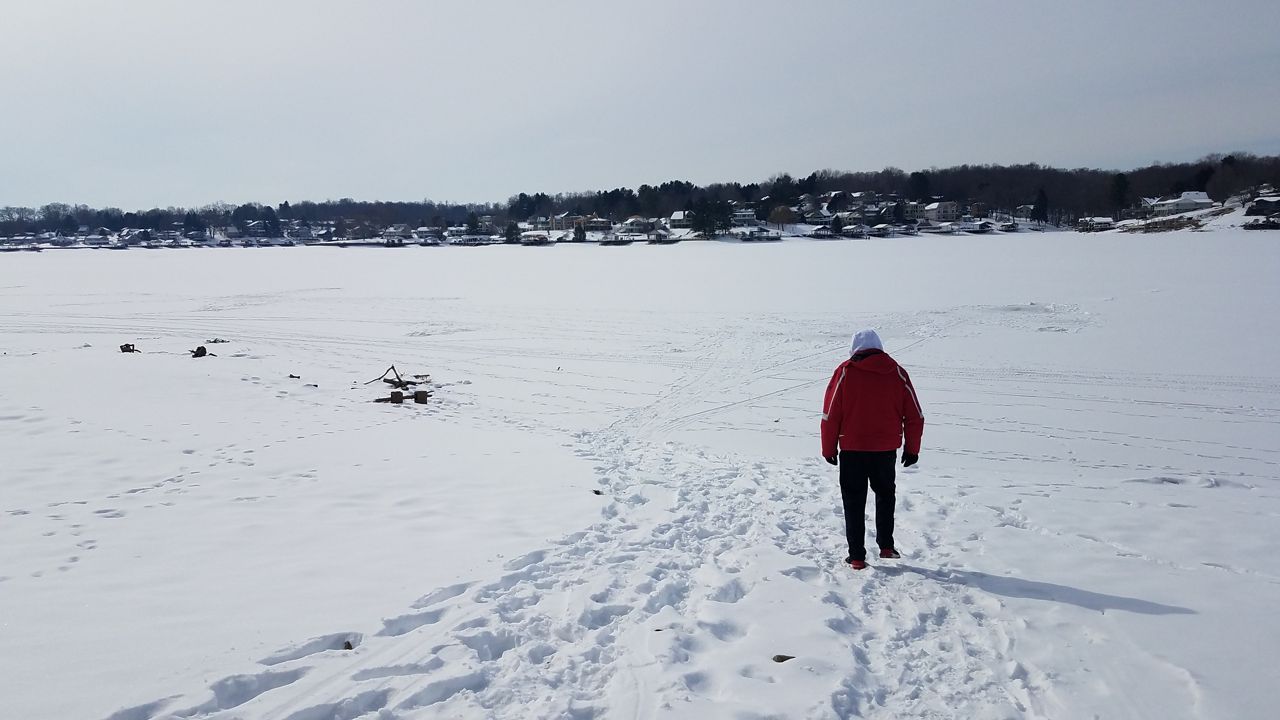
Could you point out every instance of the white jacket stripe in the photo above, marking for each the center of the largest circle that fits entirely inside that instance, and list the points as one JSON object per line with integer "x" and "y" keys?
{"x": 914, "y": 399}
{"x": 835, "y": 392}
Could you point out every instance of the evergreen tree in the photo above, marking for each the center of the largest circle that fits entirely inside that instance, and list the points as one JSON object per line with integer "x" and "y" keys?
{"x": 243, "y": 215}
{"x": 809, "y": 185}
{"x": 1202, "y": 177}
{"x": 473, "y": 224}
{"x": 191, "y": 223}
{"x": 579, "y": 233}
{"x": 918, "y": 186}
{"x": 271, "y": 222}
{"x": 1040, "y": 212}
{"x": 783, "y": 191}
{"x": 712, "y": 216}
{"x": 512, "y": 235}
{"x": 1119, "y": 191}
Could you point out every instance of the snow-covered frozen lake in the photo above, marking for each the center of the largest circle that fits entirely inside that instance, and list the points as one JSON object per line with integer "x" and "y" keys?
{"x": 1091, "y": 531}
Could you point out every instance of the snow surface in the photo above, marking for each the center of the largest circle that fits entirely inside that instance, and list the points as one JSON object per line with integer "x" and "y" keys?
{"x": 1091, "y": 530}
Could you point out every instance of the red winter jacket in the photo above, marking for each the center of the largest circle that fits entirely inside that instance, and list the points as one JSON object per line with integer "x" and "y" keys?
{"x": 870, "y": 404}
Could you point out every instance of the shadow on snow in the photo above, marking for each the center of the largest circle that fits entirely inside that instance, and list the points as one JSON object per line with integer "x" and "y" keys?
{"x": 1035, "y": 590}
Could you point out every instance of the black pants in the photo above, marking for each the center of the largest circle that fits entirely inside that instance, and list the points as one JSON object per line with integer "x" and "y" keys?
{"x": 858, "y": 469}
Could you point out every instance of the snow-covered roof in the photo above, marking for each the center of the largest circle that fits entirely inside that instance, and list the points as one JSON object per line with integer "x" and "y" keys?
{"x": 1191, "y": 196}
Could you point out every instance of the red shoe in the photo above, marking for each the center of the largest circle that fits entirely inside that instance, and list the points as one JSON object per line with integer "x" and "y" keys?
{"x": 858, "y": 564}
{"x": 889, "y": 553}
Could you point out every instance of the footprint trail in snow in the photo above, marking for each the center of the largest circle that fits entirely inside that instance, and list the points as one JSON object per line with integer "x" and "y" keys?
{"x": 701, "y": 553}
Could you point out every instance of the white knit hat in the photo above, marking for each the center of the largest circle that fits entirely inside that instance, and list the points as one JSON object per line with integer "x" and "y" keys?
{"x": 865, "y": 340}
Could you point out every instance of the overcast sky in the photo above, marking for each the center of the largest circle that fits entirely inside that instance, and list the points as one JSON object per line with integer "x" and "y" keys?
{"x": 139, "y": 103}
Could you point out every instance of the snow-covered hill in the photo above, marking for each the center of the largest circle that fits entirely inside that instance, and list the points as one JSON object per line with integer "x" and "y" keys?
{"x": 613, "y": 506}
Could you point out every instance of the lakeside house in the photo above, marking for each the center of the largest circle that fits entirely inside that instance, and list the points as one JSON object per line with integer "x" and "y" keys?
{"x": 745, "y": 217}
{"x": 635, "y": 225}
{"x": 1096, "y": 224}
{"x": 942, "y": 211}
{"x": 680, "y": 220}
{"x": 1269, "y": 205}
{"x": 821, "y": 216}
{"x": 1187, "y": 202}
{"x": 399, "y": 232}
{"x": 566, "y": 222}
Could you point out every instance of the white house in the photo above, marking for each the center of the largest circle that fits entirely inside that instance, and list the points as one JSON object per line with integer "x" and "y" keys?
{"x": 398, "y": 232}
{"x": 944, "y": 211}
{"x": 744, "y": 217}
{"x": 818, "y": 217}
{"x": 595, "y": 223}
{"x": 635, "y": 225}
{"x": 1187, "y": 202}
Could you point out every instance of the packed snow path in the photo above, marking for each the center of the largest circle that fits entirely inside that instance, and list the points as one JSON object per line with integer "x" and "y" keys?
{"x": 1089, "y": 532}
{"x": 669, "y": 607}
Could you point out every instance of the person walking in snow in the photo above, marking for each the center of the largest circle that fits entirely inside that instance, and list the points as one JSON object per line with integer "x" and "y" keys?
{"x": 870, "y": 406}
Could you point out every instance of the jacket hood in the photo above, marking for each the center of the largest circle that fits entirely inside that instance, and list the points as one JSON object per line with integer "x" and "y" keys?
{"x": 876, "y": 362}
{"x": 865, "y": 340}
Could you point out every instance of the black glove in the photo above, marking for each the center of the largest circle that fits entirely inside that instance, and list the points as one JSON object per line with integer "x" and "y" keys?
{"x": 833, "y": 459}
{"x": 909, "y": 459}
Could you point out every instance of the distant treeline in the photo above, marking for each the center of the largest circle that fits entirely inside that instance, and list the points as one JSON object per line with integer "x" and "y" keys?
{"x": 1068, "y": 194}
